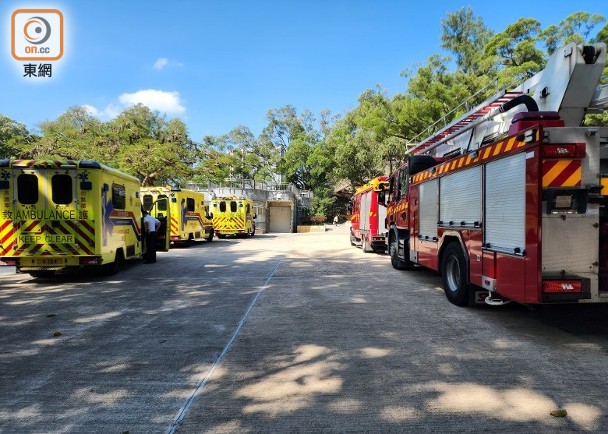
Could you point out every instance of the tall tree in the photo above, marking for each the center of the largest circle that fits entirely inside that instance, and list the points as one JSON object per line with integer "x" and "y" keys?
{"x": 466, "y": 35}
{"x": 576, "y": 27}
{"x": 294, "y": 135}
{"x": 75, "y": 134}
{"x": 514, "y": 49}
{"x": 155, "y": 150}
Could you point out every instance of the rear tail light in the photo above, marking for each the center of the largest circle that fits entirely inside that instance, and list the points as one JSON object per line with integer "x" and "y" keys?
{"x": 561, "y": 286}
{"x": 8, "y": 262}
{"x": 573, "y": 150}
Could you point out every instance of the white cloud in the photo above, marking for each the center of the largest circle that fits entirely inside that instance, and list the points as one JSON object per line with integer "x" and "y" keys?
{"x": 111, "y": 111}
{"x": 157, "y": 100}
{"x": 92, "y": 110}
{"x": 164, "y": 102}
{"x": 161, "y": 63}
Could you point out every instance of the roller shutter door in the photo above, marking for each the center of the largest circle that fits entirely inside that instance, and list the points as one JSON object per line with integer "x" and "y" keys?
{"x": 280, "y": 219}
{"x": 428, "y": 209}
{"x": 505, "y": 217}
{"x": 460, "y": 199}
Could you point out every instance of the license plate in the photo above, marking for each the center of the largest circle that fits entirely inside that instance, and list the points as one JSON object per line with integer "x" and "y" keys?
{"x": 42, "y": 261}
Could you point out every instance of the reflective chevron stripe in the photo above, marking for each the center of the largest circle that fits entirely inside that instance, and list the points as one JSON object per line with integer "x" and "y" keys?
{"x": 562, "y": 173}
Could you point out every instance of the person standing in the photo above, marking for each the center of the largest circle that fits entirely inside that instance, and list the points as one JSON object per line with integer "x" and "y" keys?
{"x": 151, "y": 227}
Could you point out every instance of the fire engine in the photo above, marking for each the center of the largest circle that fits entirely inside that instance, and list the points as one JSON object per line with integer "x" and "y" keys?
{"x": 56, "y": 215}
{"x": 508, "y": 202}
{"x": 368, "y": 216}
{"x": 233, "y": 216}
{"x": 190, "y": 218}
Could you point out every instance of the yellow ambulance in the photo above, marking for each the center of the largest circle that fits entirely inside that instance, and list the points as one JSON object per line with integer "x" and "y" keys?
{"x": 190, "y": 218}
{"x": 233, "y": 216}
{"x": 56, "y": 215}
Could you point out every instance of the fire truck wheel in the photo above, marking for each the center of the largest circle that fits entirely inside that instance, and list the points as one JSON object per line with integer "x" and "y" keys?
{"x": 396, "y": 262}
{"x": 454, "y": 275}
{"x": 365, "y": 245}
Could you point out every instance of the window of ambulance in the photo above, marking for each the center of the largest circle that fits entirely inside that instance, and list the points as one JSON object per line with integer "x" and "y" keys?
{"x": 190, "y": 204}
{"x": 119, "y": 196}
{"x": 27, "y": 189}
{"x": 147, "y": 201}
{"x": 61, "y": 189}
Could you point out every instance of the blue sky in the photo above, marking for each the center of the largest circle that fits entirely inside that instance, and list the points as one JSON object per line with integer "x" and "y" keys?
{"x": 219, "y": 64}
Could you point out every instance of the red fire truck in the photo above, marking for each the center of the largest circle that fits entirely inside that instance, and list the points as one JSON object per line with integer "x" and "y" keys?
{"x": 508, "y": 202}
{"x": 368, "y": 217}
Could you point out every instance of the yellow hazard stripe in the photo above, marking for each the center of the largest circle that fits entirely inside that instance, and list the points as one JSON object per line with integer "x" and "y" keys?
{"x": 604, "y": 182}
{"x": 222, "y": 222}
{"x": 484, "y": 153}
{"x": 561, "y": 173}
{"x": 34, "y": 238}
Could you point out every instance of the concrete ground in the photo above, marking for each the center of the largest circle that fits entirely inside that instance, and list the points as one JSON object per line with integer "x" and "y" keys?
{"x": 289, "y": 333}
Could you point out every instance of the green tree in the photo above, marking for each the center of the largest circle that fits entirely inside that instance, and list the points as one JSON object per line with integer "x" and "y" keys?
{"x": 465, "y": 36}
{"x": 294, "y": 135}
{"x": 15, "y": 139}
{"x": 602, "y": 35}
{"x": 212, "y": 163}
{"x": 576, "y": 27}
{"x": 75, "y": 134}
{"x": 514, "y": 49}
{"x": 155, "y": 150}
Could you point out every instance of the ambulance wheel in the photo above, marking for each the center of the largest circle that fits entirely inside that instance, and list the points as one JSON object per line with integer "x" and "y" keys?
{"x": 221, "y": 236}
{"x": 210, "y": 237}
{"x": 396, "y": 262}
{"x": 113, "y": 267}
{"x": 454, "y": 275}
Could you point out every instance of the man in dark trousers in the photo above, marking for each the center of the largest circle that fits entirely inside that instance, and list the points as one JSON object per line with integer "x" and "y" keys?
{"x": 151, "y": 226}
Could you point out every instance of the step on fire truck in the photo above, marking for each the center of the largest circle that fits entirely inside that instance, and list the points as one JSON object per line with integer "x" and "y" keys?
{"x": 508, "y": 202}
{"x": 56, "y": 215}
{"x": 233, "y": 216}
{"x": 367, "y": 227}
{"x": 190, "y": 218}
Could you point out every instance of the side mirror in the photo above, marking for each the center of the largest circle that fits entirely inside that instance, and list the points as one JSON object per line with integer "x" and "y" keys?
{"x": 209, "y": 216}
{"x": 255, "y": 216}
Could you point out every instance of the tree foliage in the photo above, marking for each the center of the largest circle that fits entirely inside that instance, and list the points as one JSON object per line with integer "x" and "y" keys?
{"x": 14, "y": 138}
{"x": 465, "y": 36}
